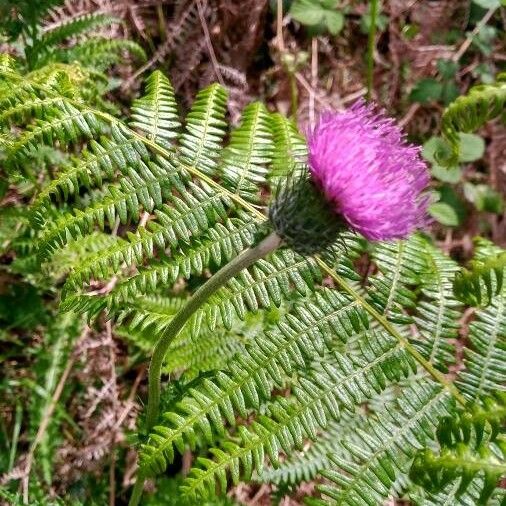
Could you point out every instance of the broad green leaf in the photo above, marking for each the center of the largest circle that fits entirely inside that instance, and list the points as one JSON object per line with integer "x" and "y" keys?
{"x": 472, "y": 147}
{"x": 318, "y": 14}
{"x": 447, "y": 174}
{"x": 334, "y": 22}
{"x": 435, "y": 148}
{"x": 444, "y": 214}
{"x": 447, "y": 68}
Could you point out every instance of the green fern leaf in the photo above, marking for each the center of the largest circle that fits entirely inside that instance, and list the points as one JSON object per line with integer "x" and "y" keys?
{"x": 289, "y": 149}
{"x": 74, "y": 27}
{"x": 472, "y": 444}
{"x": 307, "y": 464}
{"x": 437, "y": 311}
{"x": 156, "y": 114}
{"x": 253, "y": 374}
{"x": 484, "y": 359}
{"x": 401, "y": 265}
{"x": 66, "y": 127}
{"x": 200, "y": 143}
{"x": 246, "y": 159}
{"x": 318, "y": 397}
{"x": 388, "y": 444}
{"x": 100, "y": 53}
{"x": 482, "y": 282}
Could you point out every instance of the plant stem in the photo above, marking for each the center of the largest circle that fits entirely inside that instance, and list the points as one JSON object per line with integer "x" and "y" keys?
{"x": 245, "y": 259}
{"x": 242, "y": 261}
{"x": 371, "y": 46}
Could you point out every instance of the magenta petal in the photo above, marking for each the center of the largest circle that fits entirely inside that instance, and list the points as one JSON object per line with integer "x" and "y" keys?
{"x": 366, "y": 169}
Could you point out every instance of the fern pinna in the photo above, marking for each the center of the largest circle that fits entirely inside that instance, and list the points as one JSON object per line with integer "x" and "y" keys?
{"x": 296, "y": 344}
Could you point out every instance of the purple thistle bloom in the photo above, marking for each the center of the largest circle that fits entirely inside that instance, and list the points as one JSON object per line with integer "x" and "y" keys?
{"x": 369, "y": 173}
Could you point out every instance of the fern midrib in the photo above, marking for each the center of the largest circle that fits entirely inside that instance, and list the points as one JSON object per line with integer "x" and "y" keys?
{"x": 157, "y": 100}
{"x": 238, "y": 385}
{"x": 206, "y": 124}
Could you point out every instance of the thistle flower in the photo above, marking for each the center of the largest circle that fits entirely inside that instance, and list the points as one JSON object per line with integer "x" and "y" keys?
{"x": 368, "y": 173}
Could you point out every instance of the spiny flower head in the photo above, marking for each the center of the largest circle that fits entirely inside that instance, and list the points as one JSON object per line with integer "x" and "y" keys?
{"x": 368, "y": 173}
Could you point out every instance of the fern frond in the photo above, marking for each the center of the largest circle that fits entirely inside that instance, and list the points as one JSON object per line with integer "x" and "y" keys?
{"x": 97, "y": 164}
{"x": 125, "y": 253}
{"x": 211, "y": 351}
{"x": 437, "y": 311}
{"x": 156, "y": 113}
{"x": 448, "y": 496}
{"x": 469, "y": 112}
{"x": 388, "y": 444}
{"x": 77, "y": 252}
{"x": 65, "y": 126}
{"x": 472, "y": 444}
{"x": 485, "y": 357}
{"x": 289, "y": 148}
{"x": 118, "y": 203}
{"x": 483, "y": 281}
{"x": 19, "y": 112}
{"x": 75, "y": 27}
{"x": 246, "y": 159}
{"x": 401, "y": 265}
{"x": 261, "y": 286}
{"x": 221, "y": 242}
{"x": 100, "y": 53}
{"x": 153, "y": 312}
{"x": 317, "y": 397}
{"x": 190, "y": 212}
{"x": 201, "y": 140}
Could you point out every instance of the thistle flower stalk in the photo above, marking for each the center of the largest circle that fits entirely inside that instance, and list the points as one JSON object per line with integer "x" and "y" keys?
{"x": 242, "y": 261}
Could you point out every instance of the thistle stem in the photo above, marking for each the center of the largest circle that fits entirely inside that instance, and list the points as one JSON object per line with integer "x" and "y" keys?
{"x": 242, "y": 261}
{"x": 245, "y": 259}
